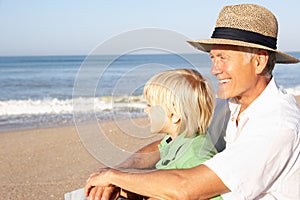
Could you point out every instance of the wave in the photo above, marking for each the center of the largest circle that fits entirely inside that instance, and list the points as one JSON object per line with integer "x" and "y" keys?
{"x": 295, "y": 90}
{"x": 125, "y": 103}
{"x": 69, "y": 106}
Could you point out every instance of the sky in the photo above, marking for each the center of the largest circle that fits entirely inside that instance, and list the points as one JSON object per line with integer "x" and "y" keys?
{"x": 78, "y": 27}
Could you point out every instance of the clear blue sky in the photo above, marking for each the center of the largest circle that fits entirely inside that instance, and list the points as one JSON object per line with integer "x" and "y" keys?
{"x": 76, "y": 27}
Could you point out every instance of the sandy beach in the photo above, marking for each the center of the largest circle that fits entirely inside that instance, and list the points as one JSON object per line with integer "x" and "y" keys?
{"x": 46, "y": 163}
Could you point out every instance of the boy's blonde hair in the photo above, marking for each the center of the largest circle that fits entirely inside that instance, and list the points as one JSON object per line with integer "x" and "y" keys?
{"x": 187, "y": 94}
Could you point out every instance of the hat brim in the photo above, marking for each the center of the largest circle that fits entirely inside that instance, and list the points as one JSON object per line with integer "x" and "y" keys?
{"x": 206, "y": 45}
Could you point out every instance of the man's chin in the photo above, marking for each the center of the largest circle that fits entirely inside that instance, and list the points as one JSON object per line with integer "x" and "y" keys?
{"x": 222, "y": 96}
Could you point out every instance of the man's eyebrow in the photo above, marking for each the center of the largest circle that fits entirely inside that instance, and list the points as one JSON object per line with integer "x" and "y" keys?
{"x": 216, "y": 55}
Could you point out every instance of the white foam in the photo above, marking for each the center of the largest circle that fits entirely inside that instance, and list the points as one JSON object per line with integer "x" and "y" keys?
{"x": 47, "y": 106}
{"x": 69, "y": 106}
{"x": 82, "y": 105}
{"x": 295, "y": 91}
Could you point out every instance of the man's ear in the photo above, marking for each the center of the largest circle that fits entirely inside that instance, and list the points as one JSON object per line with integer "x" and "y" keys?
{"x": 261, "y": 61}
{"x": 175, "y": 118}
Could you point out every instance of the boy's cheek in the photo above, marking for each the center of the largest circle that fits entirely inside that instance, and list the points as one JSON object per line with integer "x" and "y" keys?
{"x": 157, "y": 117}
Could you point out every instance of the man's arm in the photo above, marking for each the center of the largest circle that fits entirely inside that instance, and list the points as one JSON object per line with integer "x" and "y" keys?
{"x": 196, "y": 183}
{"x": 145, "y": 158}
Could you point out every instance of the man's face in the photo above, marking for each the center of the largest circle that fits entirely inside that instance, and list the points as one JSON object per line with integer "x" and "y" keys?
{"x": 236, "y": 74}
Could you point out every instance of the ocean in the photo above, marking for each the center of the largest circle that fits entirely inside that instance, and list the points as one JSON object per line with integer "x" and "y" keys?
{"x": 47, "y": 91}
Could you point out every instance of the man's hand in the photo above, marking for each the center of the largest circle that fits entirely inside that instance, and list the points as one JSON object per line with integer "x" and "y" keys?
{"x": 98, "y": 186}
{"x": 145, "y": 158}
{"x": 109, "y": 193}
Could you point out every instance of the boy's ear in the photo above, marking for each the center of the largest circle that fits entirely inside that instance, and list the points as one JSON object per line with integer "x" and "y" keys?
{"x": 175, "y": 118}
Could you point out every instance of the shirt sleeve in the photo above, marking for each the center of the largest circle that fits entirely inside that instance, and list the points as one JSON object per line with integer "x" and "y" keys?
{"x": 250, "y": 165}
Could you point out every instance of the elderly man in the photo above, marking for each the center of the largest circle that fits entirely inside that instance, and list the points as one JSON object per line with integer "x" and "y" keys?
{"x": 261, "y": 159}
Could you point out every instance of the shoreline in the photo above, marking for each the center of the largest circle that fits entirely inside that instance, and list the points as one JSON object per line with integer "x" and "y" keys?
{"x": 45, "y": 163}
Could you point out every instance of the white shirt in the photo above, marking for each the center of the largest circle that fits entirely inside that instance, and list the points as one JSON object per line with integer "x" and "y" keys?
{"x": 262, "y": 155}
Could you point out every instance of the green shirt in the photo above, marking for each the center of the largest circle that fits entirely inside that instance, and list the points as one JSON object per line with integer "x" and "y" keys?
{"x": 185, "y": 152}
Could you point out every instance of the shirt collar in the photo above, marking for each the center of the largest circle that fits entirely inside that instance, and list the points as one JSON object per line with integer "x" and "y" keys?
{"x": 260, "y": 104}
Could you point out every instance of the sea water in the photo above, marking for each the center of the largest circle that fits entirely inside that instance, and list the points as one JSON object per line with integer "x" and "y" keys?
{"x": 43, "y": 91}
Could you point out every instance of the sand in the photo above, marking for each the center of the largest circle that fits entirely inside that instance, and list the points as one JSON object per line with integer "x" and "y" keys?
{"x": 46, "y": 163}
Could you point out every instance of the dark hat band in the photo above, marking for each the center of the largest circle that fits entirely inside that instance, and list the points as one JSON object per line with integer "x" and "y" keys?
{"x": 245, "y": 36}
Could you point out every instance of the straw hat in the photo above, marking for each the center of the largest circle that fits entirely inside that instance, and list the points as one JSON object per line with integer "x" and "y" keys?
{"x": 246, "y": 25}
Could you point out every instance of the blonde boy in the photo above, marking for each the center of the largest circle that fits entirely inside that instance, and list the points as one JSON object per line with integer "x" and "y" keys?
{"x": 181, "y": 104}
